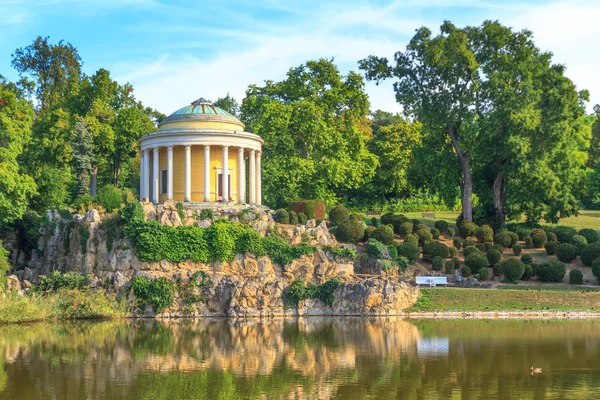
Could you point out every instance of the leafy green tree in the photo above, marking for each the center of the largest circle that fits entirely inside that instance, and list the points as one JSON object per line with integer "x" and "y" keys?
{"x": 315, "y": 130}
{"x": 229, "y": 104}
{"x": 16, "y": 186}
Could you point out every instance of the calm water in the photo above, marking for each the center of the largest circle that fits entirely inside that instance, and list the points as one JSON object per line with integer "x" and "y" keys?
{"x": 310, "y": 358}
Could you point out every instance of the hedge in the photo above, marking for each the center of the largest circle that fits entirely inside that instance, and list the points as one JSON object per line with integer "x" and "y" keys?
{"x": 281, "y": 216}
{"x": 539, "y": 238}
{"x": 437, "y": 263}
{"x": 424, "y": 235}
{"x": 314, "y": 209}
{"x": 435, "y": 233}
{"x": 517, "y": 249}
{"x": 467, "y": 229}
{"x": 470, "y": 250}
{"x": 579, "y": 242}
{"x": 527, "y": 272}
{"x": 527, "y": 259}
{"x": 483, "y": 274}
{"x": 596, "y": 270}
{"x": 551, "y": 271}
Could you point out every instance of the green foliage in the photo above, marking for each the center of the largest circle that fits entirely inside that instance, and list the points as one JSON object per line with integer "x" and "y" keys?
{"x": 579, "y": 241}
{"x": 527, "y": 272}
{"x": 437, "y": 263}
{"x": 409, "y": 250}
{"x": 514, "y": 237}
{"x": 453, "y": 251}
{"x": 109, "y": 197}
{"x": 566, "y": 252}
{"x": 596, "y": 270}
{"x": 503, "y": 239}
{"x": 497, "y": 269}
{"x": 412, "y": 238}
{"x": 551, "y": 271}
{"x": 456, "y": 262}
{"x": 575, "y": 277}
{"x": 484, "y": 234}
{"x": 112, "y": 226}
{"x": 470, "y": 250}
{"x": 467, "y": 229}
{"x": 476, "y": 261}
{"x": 433, "y": 248}
{"x": 157, "y": 293}
{"x": 457, "y": 242}
{"x": 517, "y": 249}
{"x": 206, "y": 213}
{"x": 483, "y": 274}
{"x": 589, "y": 254}
{"x": 384, "y": 234}
{"x": 4, "y": 266}
{"x": 528, "y": 243}
{"x": 368, "y": 232}
{"x": 293, "y": 218}
{"x": 350, "y": 231}
{"x": 590, "y": 235}
{"x": 338, "y": 214}
{"x": 281, "y": 216}
{"x": 302, "y": 218}
{"x": 435, "y": 233}
{"x": 313, "y": 209}
{"x": 551, "y": 236}
{"x": 449, "y": 267}
{"x": 526, "y": 258}
{"x": 564, "y": 233}
{"x": 298, "y": 290}
{"x": 406, "y": 228}
{"x": 424, "y": 235}
{"x": 441, "y": 225}
{"x": 57, "y": 281}
{"x": 374, "y": 248}
{"x": 84, "y": 236}
{"x": 551, "y": 247}
{"x": 181, "y": 211}
{"x": 468, "y": 242}
{"x": 493, "y": 256}
{"x": 341, "y": 252}
{"x": 451, "y": 232}
{"x": 539, "y": 238}
{"x": 465, "y": 272}
{"x": 513, "y": 269}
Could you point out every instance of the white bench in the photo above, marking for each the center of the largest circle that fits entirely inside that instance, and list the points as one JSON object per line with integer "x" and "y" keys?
{"x": 432, "y": 281}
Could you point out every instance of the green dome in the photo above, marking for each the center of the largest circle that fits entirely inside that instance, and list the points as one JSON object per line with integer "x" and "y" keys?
{"x": 201, "y": 106}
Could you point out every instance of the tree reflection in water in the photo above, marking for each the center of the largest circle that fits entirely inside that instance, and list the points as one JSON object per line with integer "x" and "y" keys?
{"x": 311, "y": 358}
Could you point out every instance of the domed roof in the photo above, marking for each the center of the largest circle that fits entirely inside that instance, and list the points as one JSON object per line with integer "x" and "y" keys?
{"x": 201, "y": 110}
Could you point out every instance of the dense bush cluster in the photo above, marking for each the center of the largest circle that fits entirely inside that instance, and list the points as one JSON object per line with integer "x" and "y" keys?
{"x": 433, "y": 248}
{"x": 57, "y": 281}
{"x": 298, "y": 290}
{"x": 158, "y": 293}
{"x": 409, "y": 250}
{"x": 313, "y": 209}
{"x": 281, "y": 216}
{"x": 484, "y": 234}
{"x": 551, "y": 271}
{"x": 441, "y": 225}
{"x": 476, "y": 261}
{"x": 589, "y": 234}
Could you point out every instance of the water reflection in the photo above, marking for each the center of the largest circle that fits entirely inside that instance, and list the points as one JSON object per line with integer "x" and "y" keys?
{"x": 308, "y": 358}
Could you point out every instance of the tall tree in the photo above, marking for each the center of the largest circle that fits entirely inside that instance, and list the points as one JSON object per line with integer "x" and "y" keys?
{"x": 229, "y": 104}
{"x": 313, "y": 123}
{"x": 83, "y": 155}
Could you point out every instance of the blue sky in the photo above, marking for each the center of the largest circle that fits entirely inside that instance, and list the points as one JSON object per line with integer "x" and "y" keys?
{"x": 176, "y": 51}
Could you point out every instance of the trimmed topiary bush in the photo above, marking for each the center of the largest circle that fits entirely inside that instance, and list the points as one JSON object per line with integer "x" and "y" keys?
{"x": 527, "y": 272}
{"x": 424, "y": 235}
{"x": 449, "y": 267}
{"x": 499, "y": 248}
{"x": 387, "y": 218}
{"x": 375, "y": 249}
{"x": 357, "y": 217}
{"x": 539, "y": 238}
{"x": 467, "y": 228}
{"x": 493, "y": 256}
{"x": 488, "y": 245}
{"x": 302, "y": 218}
{"x": 551, "y": 236}
{"x": 406, "y": 228}
{"x": 368, "y": 232}
{"x": 456, "y": 262}
{"x": 441, "y": 225}
{"x": 435, "y": 233}
{"x": 589, "y": 254}
{"x": 481, "y": 247}
{"x": 457, "y": 242}
{"x": 468, "y": 242}
{"x": 589, "y": 234}
{"x": 110, "y": 197}
{"x": 432, "y": 248}
{"x": 528, "y": 243}
{"x": 484, "y": 234}
{"x": 503, "y": 239}
{"x": 350, "y": 231}
{"x": 470, "y": 250}
{"x": 534, "y": 266}
{"x": 465, "y": 272}
{"x": 409, "y": 250}
{"x": 566, "y": 252}
{"x": 513, "y": 269}
{"x": 293, "y": 218}
{"x": 412, "y": 238}
{"x": 564, "y": 234}
{"x": 338, "y": 214}
{"x": 517, "y": 249}
{"x": 551, "y": 271}
{"x": 575, "y": 277}
{"x": 514, "y": 238}
{"x": 453, "y": 251}
{"x": 526, "y": 258}
{"x": 579, "y": 242}
{"x": 483, "y": 274}
{"x": 282, "y": 216}
{"x": 437, "y": 263}
{"x": 476, "y": 261}
{"x": 451, "y": 232}
{"x": 384, "y": 234}
{"x": 596, "y": 270}
{"x": 497, "y": 269}
{"x": 314, "y": 209}
{"x": 551, "y": 247}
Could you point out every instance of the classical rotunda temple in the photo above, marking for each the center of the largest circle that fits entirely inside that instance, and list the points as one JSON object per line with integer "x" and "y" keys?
{"x": 198, "y": 154}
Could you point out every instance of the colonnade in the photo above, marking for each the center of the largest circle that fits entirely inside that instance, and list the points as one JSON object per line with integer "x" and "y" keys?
{"x": 254, "y": 161}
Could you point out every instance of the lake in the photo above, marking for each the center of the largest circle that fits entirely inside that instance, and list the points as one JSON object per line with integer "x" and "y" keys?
{"x": 311, "y": 358}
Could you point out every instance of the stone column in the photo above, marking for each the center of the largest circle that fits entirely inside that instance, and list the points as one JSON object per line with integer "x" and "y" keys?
{"x": 225, "y": 174}
{"x": 141, "y": 175}
{"x": 170, "y": 173}
{"x": 206, "y": 173}
{"x": 252, "y": 175}
{"x": 155, "y": 178}
{"x": 258, "y": 180}
{"x": 241, "y": 177}
{"x": 187, "y": 176}
{"x": 146, "y": 195}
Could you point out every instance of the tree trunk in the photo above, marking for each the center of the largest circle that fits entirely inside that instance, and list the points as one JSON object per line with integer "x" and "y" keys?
{"x": 467, "y": 186}
{"x": 93, "y": 182}
{"x": 498, "y": 193}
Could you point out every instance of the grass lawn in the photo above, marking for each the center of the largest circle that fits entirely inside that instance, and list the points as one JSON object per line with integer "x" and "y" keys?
{"x": 454, "y": 299}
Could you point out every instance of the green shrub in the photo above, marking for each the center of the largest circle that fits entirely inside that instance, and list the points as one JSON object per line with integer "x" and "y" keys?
{"x": 596, "y": 270}
{"x": 534, "y": 267}
{"x": 402, "y": 263}
{"x": 484, "y": 234}
{"x": 465, "y": 272}
{"x": 293, "y": 218}
{"x": 357, "y": 217}
{"x": 396, "y": 221}
{"x": 451, "y": 232}
{"x": 483, "y": 274}
{"x": 453, "y": 251}
{"x": 487, "y": 246}
{"x": 470, "y": 250}
{"x": 539, "y": 238}
{"x": 302, "y": 218}
{"x": 281, "y": 216}
{"x": 456, "y": 262}
{"x": 350, "y": 231}
{"x": 457, "y": 242}
{"x": 206, "y": 213}
{"x": 180, "y": 211}
{"x": 493, "y": 256}
{"x": 589, "y": 254}
{"x": 83, "y": 203}
{"x": 480, "y": 247}
{"x": 392, "y": 252}
{"x": 374, "y": 222}
{"x": 433, "y": 248}
{"x": 412, "y": 238}
{"x": 528, "y": 243}
{"x": 424, "y": 235}
{"x": 497, "y": 269}
{"x": 589, "y": 234}
{"x": 566, "y": 252}
{"x": 368, "y": 232}
{"x": 551, "y": 236}
{"x": 527, "y": 272}
{"x": 476, "y": 261}
{"x": 314, "y": 209}
{"x": 299, "y": 291}
{"x": 579, "y": 242}
{"x": 499, "y": 248}
{"x": 409, "y": 250}
{"x": 514, "y": 238}
{"x": 551, "y": 271}
{"x": 468, "y": 242}
{"x": 503, "y": 239}
{"x": 110, "y": 197}
{"x": 513, "y": 269}
{"x": 387, "y": 218}
{"x": 564, "y": 234}
{"x": 526, "y": 258}
{"x": 449, "y": 267}
{"x": 406, "y": 228}
{"x": 575, "y": 277}
{"x": 157, "y": 293}
{"x": 437, "y": 263}
{"x": 551, "y": 247}
{"x": 57, "y": 281}
{"x": 435, "y": 233}
{"x": 517, "y": 249}
{"x": 384, "y": 234}
{"x": 84, "y": 236}
{"x": 281, "y": 252}
{"x": 416, "y": 224}
{"x": 341, "y": 252}
{"x": 466, "y": 229}
{"x": 338, "y": 214}
{"x": 441, "y": 225}
{"x": 374, "y": 248}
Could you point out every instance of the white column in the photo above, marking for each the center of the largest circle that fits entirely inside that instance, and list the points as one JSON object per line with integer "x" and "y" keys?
{"x": 241, "y": 177}
{"x": 225, "y": 174}
{"x": 155, "y": 175}
{"x": 146, "y": 195}
{"x": 187, "y": 180}
{"x": 252, "y": 175}
{"x": 170, "y": 173}
{"x": 258, "y": 180}
{"x": 206, "y": 173}
{"x": 141, "y": 175}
